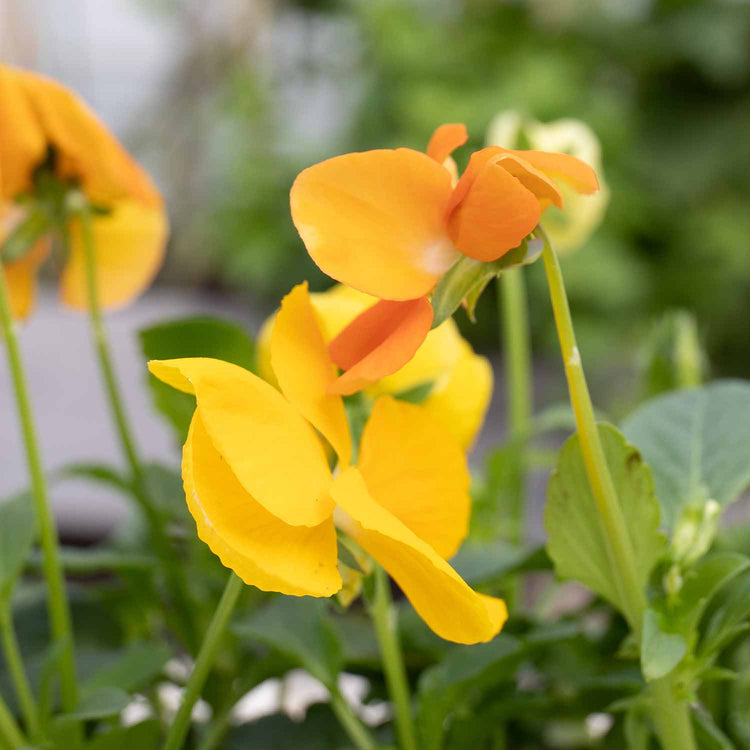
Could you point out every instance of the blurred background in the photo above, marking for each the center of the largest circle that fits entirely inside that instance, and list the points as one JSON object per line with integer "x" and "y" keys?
{"x": 226, "y": 101}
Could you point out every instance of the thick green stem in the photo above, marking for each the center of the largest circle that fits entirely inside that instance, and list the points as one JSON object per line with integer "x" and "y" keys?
{"x": 671, "y": 715}
{"x": 384, "y": 618}
{"x": 154, "y": 517}
{"x": 10, "y": 733}
{"x": 206, "y": 657}
{"x": 59, "y": 612}
{"x": 18, "y": 677}
{"x": 357, "y": 731}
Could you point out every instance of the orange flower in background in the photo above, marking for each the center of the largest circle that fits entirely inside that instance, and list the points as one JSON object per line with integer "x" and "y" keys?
{"x": 38, "y": 115}
{"x": 390, "y": 223}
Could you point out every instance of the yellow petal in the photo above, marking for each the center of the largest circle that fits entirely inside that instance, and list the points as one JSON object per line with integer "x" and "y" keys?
{"x": 459, "y": 401}
{"x": 376, "y": 221}
{"x": 129, "y": 247}
{"x": 440, "y": 596}
{"x": 86, "y": 150}
{"x": 22, "y": 141}
{"x": 416, "y": 469}
{"x": 304, "y": 370}
{"x": 271, "y": 449}
{"x": 20, "y": 277}
{"x": 262, "y": 550}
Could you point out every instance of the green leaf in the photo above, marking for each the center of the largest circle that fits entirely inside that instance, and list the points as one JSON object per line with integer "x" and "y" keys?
{"x": 697, "y": 443}
{"x": 467, "y": 278}
{"x": 661, "y": 651}
{"x": 299, "y": 628}
{"x": 449, "y": 685}
{"x": 100, "y": 704}
{"x": 192, "y": 337}
{"x": 576, "y": 541}
{"x": 707, "y": 735}
{"x": 143, "y": 736}
{"x": 729, "y": 620}
{"x": 24, "y": 236}
{"x": 481, "y": 563}
{"x": 97, "y": 560}
{"x": 17, "y": 527}
{"x": 136, "y": 667}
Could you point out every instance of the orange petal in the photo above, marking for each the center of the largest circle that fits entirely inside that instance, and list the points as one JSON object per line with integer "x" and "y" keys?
{"x": 376, "y": 221}
{"x": 262, "y": 550}
{"x": 445, "y": 140}
{"x": 304, "y": 370}
{"x": 564, "y": 167}
{"x": 271, "y": 449}
{"x": 440, "y": 596}
{"x": 129, "y": 246}
{"x": 415, "y": 468}
{"x": 379, "y": 341}
{"x": 494, "y": 216}
{"x": 22, "y": 141}
{"x": 20, "y": 276}
{"x": 539, "y": 183}
{"x": 87, "y": 151}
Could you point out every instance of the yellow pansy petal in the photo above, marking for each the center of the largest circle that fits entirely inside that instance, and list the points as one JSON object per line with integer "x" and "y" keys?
{"x": 129, "y": 244}
{"x": 271, "y": 449}
{"x": 376, "y": 221}
{"x": 459, "y": 401}
{"x": 262, "y": 550}
{"x": 20, "y": 276}
{"x": 440, "y": 596}
{"x": 22, "y": 141}
{"x": 304, "y": 370}
{"x": 86, "y": 150}
{"x": 417, "y": 470}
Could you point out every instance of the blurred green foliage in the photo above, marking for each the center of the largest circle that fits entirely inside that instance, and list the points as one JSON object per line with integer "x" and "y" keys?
{"x": 664, "y": 83}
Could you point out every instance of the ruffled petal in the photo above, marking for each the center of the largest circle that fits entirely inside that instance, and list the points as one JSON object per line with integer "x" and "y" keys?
{"x": 376, "y": 221}
{"x": 440, "y": 596}
{"x": 459, "y": 401}
{"x": 270, "y": 448}
{"x": 304, "y": 370}
{"x": 564, "y": 167}
{"x": 129, "y": 246}
{"x": 415, "y": 468}
{"x": 263, "y": 551}
{"x": 86, "y": 150}
{"x": 495, "y": 215}
{"x": 445, "y": 140}
{"x": 378, "y": 342}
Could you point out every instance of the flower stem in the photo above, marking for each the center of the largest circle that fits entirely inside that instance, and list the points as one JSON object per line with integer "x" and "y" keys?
{"x": 10, "y": 733}
{"x": 358, "y": 733}
{"x": 14, "y": 663}
{"x": 59, "y": 612}
{"x": 514, "y": 319}
{"x": 671, "y": 716}
{"x": 153, "y": 515}
{"x": 384, "y": 618}
{"x": 206, "y": 656}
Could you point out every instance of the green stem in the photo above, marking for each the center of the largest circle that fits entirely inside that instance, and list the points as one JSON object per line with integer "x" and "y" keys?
{"x": 17, "y": 672}
{"x": 671, "y": 715}
{"x": 384, "y": 618}
{"x": 206, "y": 656}
{"x": 153, "y": 515}
{"x": 59, "y": 612}
{"x": 357, "y": 731}
{"x": 10, "y": 733}
{"x": 514, "y": 318}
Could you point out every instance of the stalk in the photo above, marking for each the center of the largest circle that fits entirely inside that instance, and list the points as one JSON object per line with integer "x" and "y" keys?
{"x": 670, "y": 715}
{"x": 57, "y": 603}
{"x": 358, "y": 733}
{"x": 383, "y": 616}
{"x": 10, "y": 734}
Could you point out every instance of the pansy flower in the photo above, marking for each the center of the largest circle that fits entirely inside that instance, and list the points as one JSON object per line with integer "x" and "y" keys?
{"x": 43, "y": 124}
{"x": 452, "y": 381}
{"x": 259, "y": 486}
{"x": 391, "y": 222}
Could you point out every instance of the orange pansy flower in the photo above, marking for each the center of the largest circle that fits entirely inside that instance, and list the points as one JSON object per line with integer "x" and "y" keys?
{"x": 390, "y": 223}
{"x": 38, "y": 115}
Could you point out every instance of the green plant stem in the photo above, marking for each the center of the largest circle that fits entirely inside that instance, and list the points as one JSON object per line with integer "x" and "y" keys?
{"x": 671, "y": 716}
{"x": 59, "y": 611}
{"x": 206, "y": 656}
{"x": 514, "y": 319}
{"x": 384, "y": 618}
{"x": 18, "y": 677}
{"x": 10, "y": 733}
{"x": 154, "y": 517}
{"x": 357, "y": 731}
